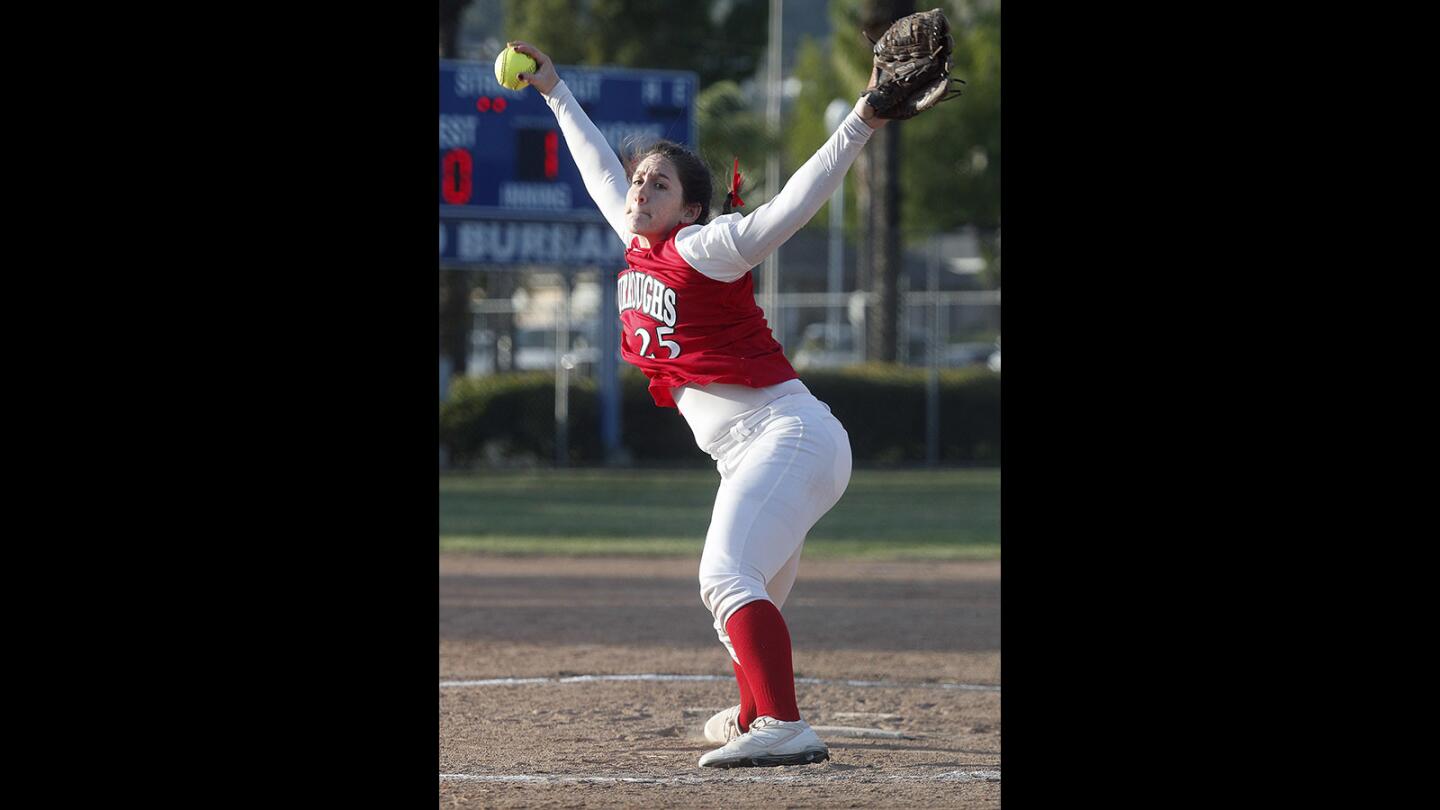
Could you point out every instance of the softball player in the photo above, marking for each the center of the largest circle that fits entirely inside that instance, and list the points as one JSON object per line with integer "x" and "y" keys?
{"x": 690, "y": 322}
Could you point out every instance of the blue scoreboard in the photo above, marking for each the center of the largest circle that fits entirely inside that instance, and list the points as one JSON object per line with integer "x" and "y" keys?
{"x": 509, "y": 191}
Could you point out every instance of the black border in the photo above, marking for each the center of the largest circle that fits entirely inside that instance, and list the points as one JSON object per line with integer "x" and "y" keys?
{"x": 311, "y": 352}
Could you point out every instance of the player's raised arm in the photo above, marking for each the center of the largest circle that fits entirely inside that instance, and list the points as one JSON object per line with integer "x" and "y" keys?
{"x": 910, "y": 73}
{"x": 604, "y": 176}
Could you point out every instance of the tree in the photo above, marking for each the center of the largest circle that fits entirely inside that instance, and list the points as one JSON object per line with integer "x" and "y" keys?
{"x": 951, "y": 174}
{"x": 719, "y": 41}
{"x": 560, "y": 28}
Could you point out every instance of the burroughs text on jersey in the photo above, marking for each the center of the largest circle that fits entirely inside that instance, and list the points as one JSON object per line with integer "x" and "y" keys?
{"x": 648, "y": 295}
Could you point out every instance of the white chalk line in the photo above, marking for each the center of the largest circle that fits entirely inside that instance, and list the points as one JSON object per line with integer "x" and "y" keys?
{"x": 969, "y": 687}
{"x": 863, "y": 733}
{"x": 558, "y": 779}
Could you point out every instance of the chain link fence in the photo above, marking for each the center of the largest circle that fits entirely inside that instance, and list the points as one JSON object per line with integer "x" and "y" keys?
{"x": 551, "y": 324}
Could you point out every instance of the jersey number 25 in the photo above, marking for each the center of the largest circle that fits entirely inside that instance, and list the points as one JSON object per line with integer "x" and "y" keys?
{"x": 661, "y": 332}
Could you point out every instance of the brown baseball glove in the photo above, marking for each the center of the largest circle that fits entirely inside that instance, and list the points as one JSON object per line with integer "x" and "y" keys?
{"x": 912, "y": 66}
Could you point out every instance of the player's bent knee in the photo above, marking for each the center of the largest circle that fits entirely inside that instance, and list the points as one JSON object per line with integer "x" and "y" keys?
{"x": 724, "y": 593}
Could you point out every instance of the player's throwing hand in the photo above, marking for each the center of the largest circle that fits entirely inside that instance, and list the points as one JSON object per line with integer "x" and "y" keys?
{"x": 544, "y": 77}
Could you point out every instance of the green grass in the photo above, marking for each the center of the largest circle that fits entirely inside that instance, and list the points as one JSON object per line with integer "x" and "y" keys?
{"x": 900, "y": 514}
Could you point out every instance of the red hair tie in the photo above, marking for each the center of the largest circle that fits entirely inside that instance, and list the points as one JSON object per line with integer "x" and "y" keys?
{"x": 735, "y": 185}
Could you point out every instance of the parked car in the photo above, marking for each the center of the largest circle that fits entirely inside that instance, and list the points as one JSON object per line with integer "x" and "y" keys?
{"x": 967, "y": 354}
{"x": 823, "y": 347}
{"x": 535, "y": 348}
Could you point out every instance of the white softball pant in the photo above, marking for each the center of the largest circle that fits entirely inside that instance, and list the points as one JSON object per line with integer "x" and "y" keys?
{"x": 782, "y": 467}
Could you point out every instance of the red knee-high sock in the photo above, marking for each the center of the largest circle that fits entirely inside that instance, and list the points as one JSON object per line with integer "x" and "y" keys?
{"x": 747, "y": 699}
{"x": 762, "y": 643}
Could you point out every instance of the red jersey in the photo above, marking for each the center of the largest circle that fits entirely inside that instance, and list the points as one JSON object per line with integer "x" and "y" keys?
{"x": 681, "y": 326}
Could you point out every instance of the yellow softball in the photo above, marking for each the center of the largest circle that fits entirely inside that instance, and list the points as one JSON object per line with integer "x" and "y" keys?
{"x": 508, "y": 67}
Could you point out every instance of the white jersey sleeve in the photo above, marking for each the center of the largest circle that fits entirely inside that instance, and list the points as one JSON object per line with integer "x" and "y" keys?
{"x": 727, "y": 247}
{"x": 599, "y": 166}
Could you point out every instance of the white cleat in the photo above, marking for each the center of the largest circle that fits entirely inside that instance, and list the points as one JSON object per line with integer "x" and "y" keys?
{"x": 769, "y": 742}
{"x": 723, "y": 726}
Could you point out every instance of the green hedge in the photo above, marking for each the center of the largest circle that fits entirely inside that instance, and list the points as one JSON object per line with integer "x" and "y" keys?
{"x": 883, "y": 409}
{"x": 511, "y": 417}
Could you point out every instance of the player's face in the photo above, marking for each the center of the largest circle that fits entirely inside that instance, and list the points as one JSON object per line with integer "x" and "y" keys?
{"x": 656, "y": 202}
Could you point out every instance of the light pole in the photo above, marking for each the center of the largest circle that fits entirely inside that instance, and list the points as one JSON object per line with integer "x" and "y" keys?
{"x": 834, "y": 117}
{"x": 770, "y": 272}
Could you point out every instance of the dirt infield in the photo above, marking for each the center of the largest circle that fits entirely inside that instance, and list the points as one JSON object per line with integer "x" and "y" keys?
{"x": 898, "y": 668}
